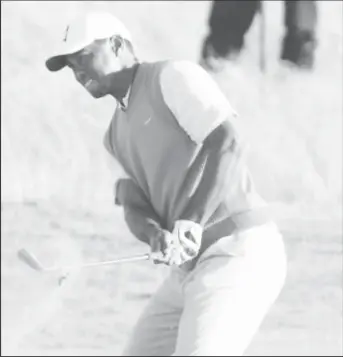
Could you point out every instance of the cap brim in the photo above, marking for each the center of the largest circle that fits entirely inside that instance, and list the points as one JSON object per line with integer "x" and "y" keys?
{"x": 56, "y": 63}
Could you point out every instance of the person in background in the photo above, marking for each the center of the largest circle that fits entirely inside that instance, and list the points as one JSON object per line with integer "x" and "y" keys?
{"x": 230, "y": 21}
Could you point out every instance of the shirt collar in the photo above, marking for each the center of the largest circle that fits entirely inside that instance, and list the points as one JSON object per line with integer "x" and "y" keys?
{"x": 124, "y": 102}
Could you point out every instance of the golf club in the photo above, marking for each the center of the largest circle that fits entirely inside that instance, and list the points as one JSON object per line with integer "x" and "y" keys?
{"x": 30, "y": 260}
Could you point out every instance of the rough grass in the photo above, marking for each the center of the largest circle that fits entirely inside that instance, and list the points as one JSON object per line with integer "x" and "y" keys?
{"x": 56, "y": 188}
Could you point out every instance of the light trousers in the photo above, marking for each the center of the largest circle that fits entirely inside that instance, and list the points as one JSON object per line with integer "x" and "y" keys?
{"x": 218, "y": 306}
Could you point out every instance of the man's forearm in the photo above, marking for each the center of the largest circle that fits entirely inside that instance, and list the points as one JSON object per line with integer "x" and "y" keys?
{"x": 219, "y": 160}
{"x": 142, "y": 223}
{"x": 140, "y": 216}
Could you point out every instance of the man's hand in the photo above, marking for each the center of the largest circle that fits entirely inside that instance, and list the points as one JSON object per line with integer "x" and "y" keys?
{"x": 178, "y": 247}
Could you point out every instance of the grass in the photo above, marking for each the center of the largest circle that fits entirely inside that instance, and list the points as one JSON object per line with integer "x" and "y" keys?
{"x": 56, "y": 187}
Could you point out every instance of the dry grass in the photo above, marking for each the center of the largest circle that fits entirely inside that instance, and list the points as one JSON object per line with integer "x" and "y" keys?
{"x": 55, "y": 182}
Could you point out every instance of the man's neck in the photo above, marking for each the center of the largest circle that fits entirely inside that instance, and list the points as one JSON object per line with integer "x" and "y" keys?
{"x": 124, "y": 81}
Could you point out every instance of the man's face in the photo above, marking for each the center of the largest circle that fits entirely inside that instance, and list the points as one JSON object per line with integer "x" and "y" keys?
{"x": 92, "y": 65}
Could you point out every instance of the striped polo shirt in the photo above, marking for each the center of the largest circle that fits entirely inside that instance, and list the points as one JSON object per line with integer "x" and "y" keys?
{"x": 173, "y": 106}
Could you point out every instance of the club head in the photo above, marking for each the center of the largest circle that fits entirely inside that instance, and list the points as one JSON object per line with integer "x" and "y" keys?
{"x": 29, "y": 259}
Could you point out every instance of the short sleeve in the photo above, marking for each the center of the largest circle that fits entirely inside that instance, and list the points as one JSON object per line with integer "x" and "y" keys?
{"x": 194, "y": 98}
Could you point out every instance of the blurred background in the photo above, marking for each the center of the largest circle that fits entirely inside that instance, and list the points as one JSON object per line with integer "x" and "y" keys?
{"x": 56, "y": 187}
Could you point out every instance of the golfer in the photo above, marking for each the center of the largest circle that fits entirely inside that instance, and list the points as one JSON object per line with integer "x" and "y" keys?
{"x": 188, "y": 193}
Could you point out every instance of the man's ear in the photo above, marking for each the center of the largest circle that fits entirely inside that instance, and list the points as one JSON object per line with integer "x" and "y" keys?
{"x": 117, "y": 44}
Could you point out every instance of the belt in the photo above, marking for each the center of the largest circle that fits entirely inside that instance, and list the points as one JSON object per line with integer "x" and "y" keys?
{"x": 228, "y": 226}
{"x": 238, "y": 221}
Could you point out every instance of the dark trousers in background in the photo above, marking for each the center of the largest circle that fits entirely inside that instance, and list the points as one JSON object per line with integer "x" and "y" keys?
{"x": 229, "y": 21}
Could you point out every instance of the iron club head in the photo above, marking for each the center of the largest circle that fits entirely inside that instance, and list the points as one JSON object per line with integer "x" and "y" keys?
{"x": 29, "y": 259}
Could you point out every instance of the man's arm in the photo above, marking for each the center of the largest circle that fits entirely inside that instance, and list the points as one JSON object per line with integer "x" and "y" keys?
{"x": 140, "y": 216}
{"x": 144, "y": 223}
{"x": 220, "y": 160}
{"x": 204, "y": 113}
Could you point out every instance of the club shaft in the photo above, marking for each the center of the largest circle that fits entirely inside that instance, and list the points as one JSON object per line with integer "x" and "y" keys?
{"x": 98, "y": 264}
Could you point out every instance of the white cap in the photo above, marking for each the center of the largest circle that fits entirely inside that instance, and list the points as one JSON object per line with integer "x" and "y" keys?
{"x": 82, "y": 31}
